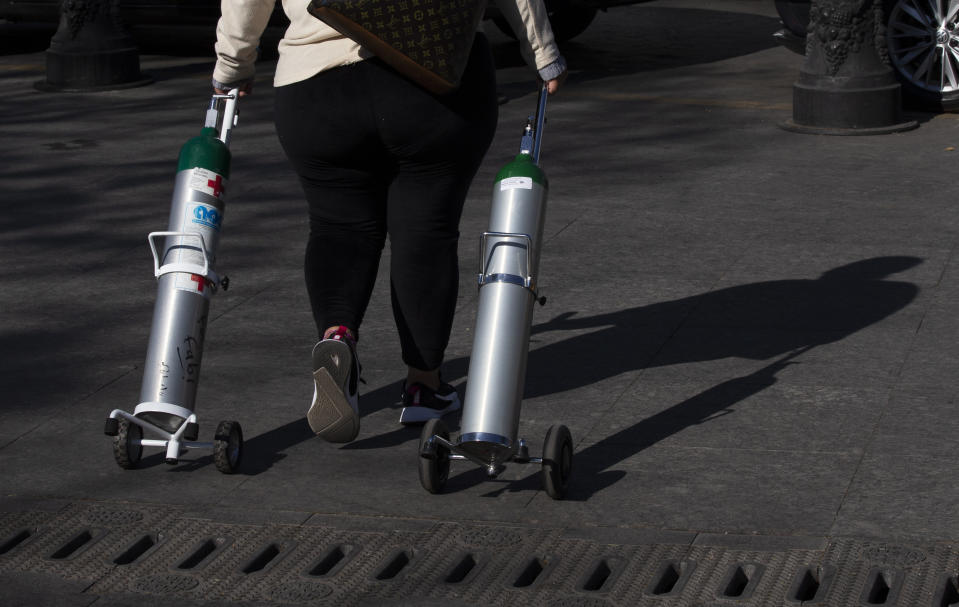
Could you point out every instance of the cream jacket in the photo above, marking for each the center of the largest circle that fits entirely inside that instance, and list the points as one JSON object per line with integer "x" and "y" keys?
{"x": 309, "y": 46}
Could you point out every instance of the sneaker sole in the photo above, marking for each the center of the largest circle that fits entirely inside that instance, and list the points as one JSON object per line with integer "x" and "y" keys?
{"x": 420, "y": 414}
{"x": 331, "y": 416}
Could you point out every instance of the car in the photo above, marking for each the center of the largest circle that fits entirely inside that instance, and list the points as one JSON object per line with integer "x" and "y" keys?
{"x": 134, "y": 12}
{"x": 568, "y": 17}
{"x": 922, "y": 38}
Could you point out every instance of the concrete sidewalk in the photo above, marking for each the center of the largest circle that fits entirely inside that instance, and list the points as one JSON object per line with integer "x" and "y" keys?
{"x": 752, "y": 335}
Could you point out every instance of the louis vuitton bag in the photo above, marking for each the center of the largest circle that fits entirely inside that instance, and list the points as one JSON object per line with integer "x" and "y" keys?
{"x": 427, "y": 41}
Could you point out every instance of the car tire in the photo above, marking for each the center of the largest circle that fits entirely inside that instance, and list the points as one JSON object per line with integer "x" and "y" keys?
{"x": 923, "y": 44}
{"x": 794, "y": 14}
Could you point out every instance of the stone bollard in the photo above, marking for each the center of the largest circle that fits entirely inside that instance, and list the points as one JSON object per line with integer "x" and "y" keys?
{"x": 846, "y": 86}
{"x": 91, "y": 51}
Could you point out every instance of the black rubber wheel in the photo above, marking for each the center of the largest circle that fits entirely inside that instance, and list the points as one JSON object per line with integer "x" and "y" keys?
{"x": 228, "y": 447}
{"x": 794, "y": 14}
{"x": 192, "y": 431}
{"x": 435, "y": 469}
{"x": 568, "y": 19}
{"x": 557, "y": 461}
{"x": 127, "y": 449}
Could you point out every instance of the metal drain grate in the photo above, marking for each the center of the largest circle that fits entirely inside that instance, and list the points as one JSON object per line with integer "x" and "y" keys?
{"x": 165, "y": 552}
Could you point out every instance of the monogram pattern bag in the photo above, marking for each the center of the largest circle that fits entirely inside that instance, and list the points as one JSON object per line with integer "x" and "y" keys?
{"x": 427, "y": 41}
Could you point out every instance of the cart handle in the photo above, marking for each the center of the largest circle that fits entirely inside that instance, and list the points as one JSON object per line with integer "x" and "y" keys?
{"x": 190, "y": 268}
{"x": 532, "y": 141}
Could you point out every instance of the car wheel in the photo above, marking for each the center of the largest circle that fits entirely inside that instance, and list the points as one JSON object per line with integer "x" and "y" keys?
{"x": 923, "y": 42}
{"x": 794, "y": 14}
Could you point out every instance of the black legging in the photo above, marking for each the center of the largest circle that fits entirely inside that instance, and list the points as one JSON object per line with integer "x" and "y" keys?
{"x": 377, "y": 155}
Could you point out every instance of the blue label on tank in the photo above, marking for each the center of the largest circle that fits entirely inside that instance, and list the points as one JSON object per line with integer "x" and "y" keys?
{"x": 207, "y": 216}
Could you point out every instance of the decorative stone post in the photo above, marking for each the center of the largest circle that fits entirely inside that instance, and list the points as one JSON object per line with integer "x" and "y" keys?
{"x": 846, "y": 86}
{"x": 91, "y": 51}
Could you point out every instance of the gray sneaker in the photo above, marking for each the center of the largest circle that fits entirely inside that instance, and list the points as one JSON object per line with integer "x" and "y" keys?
{"x": 334, "y": 413}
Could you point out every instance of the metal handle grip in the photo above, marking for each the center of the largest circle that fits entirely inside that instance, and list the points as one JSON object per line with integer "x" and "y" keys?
{"x": 229, "y": 117}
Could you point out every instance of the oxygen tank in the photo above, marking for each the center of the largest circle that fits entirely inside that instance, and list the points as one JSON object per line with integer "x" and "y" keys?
{"x": 508, "y": 271}
{"x": 509, "y": 265}
{"x": 186, "y": 280}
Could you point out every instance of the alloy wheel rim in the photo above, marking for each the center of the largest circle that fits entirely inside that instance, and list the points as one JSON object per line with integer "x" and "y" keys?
{"x": 923, "y": 43}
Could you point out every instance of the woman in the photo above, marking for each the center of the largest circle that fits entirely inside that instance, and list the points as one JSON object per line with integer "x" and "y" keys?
{"x": 377, "y": 155}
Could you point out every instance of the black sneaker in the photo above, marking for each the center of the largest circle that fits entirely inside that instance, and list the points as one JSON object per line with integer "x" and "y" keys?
{"x": 334, "y": 413}
{"x": 421, "y": 404}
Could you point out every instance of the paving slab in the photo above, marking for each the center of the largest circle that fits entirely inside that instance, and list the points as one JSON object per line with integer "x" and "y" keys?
{"x": 750, "y": 333}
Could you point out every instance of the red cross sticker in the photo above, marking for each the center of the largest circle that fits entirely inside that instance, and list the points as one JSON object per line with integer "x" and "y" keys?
{"x": 216, "y": 185}
{"x": 199, "y": 280}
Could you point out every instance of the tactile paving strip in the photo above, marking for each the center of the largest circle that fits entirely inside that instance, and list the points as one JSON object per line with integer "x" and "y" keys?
{"x": 151, "y": 550}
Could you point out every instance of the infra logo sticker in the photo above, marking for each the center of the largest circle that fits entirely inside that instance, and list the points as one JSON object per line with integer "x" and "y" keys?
{"x": 206, "y": 216}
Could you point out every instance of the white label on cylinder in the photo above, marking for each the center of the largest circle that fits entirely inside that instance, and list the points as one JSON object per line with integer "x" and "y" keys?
{"x": 516, "y": 183}
{"x": 208, "y": 182}
{"x": 193, "y": 283}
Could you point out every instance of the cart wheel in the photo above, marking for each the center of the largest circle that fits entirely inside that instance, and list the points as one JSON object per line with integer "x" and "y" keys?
{"x": 127, "y": 449}
{"x": 228, "y": 447}
{"x": 435, "y": 462}
{"x": 557, "y": 461}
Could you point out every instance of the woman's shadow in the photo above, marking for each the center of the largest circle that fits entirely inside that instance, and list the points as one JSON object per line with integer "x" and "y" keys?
{"x": 756, "y": 321}
{"x": 773, "y": 321}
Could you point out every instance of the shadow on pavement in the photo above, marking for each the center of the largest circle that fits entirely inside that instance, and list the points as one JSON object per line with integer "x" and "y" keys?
{"x": 665, "y": 38}
{"x": 261, "y": 452}
{"x": 777, "y": 320}
{"x": 757, "y": 321}
{"x": 20, "y": 38}
{"x": 772, "y": 320}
